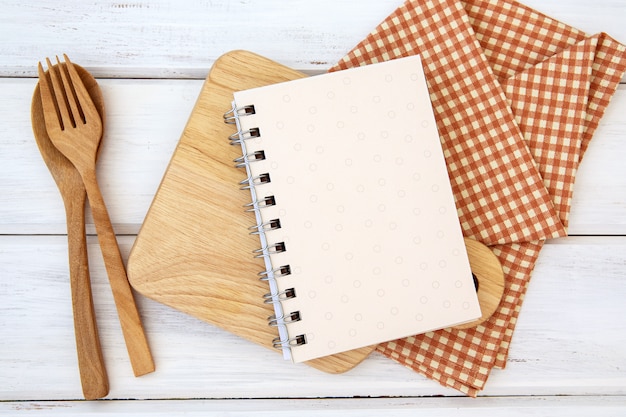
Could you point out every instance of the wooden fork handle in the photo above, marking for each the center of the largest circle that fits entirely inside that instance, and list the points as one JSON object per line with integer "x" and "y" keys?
{"x": 93, "y": 373}
{"x": 132, "y": 328}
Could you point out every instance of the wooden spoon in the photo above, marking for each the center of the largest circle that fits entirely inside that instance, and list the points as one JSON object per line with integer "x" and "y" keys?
{"x": 93, "y": 373}
{"x": 75, "y": 129}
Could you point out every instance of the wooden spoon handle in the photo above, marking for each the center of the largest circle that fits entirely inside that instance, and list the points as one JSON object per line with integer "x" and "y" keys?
{"x": 93, "y": 373}
{"x": 134, "y": 335}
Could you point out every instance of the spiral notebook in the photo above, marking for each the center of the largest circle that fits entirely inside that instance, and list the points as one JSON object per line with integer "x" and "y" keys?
{"x": 355, "y": 214}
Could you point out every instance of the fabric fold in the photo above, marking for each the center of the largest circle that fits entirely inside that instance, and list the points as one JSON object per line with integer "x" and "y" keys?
{"x": 517, "y": 96}
{"x": 499, "y": 192}
{"x": 559, "y": 134}
{"x": 549, "y": 101}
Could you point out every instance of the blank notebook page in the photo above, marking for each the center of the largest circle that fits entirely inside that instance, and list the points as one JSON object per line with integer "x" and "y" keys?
{"x": 366, "y": 211}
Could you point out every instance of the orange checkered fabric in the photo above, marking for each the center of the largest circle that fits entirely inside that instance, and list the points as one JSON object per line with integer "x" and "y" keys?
{"x": 517, "y": 96}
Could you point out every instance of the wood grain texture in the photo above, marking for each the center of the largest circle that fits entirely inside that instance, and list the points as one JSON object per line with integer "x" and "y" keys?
{"x": 158, "y": 39}
{"x": 193, "y": 251}
{"x": 490, "y": 280}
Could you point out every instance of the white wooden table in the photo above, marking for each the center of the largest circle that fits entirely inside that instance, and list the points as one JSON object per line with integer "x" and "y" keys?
{"x": 568, "y": 355}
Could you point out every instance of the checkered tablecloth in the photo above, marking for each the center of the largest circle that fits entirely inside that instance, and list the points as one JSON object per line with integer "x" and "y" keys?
{"x": 517, "y": 96}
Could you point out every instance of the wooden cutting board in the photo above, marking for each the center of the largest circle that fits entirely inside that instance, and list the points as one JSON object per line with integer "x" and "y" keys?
{"x": 193, "y": 252}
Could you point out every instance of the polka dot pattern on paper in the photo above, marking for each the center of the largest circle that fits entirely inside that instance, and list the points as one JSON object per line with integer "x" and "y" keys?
{"x": 365, "y": 205}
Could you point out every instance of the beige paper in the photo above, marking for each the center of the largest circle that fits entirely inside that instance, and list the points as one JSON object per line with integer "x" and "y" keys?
{"x": 366, "y": 210}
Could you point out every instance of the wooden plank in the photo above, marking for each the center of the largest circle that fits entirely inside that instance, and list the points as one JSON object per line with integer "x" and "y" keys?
{"x": 145, "y": 119}
{"x": 599, "y": 201}
{"x": 182, "y": 39}
{"x": 569, "y": 340}
{"x": 363, "y": 407}
{"x": 144, "y": 122}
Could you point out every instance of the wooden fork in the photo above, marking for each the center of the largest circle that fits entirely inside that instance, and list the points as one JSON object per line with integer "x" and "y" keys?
{"x": 75, "y": 128}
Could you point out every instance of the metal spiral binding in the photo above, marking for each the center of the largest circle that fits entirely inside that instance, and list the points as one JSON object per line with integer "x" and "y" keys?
{"x": 281, "y": 271}
{"x": 292, "y": 317}
{"x": 231, "y": 116}
{"x": 299, "y": 340}
{"x": 243, "y": 160}
{"x": 250, "y": 182}
{"x": 238, "y": 137}
{"x": 287, "y": 294}
{"x": 270, "y": 275}
{"x": 269, "y": 250}
{"x": 257, "y": 229}
{"x": 260, "y": 204}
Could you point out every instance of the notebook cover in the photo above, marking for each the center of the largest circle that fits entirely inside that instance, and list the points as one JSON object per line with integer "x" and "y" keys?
{"x": 365, "y": 206}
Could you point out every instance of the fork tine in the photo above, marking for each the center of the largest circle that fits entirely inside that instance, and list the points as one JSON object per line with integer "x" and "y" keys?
{"x": 47, "y": 97}
{"x": 61, "y": 98}
{"x": 82, "y": 95}
{"x": 75, "y": 111}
